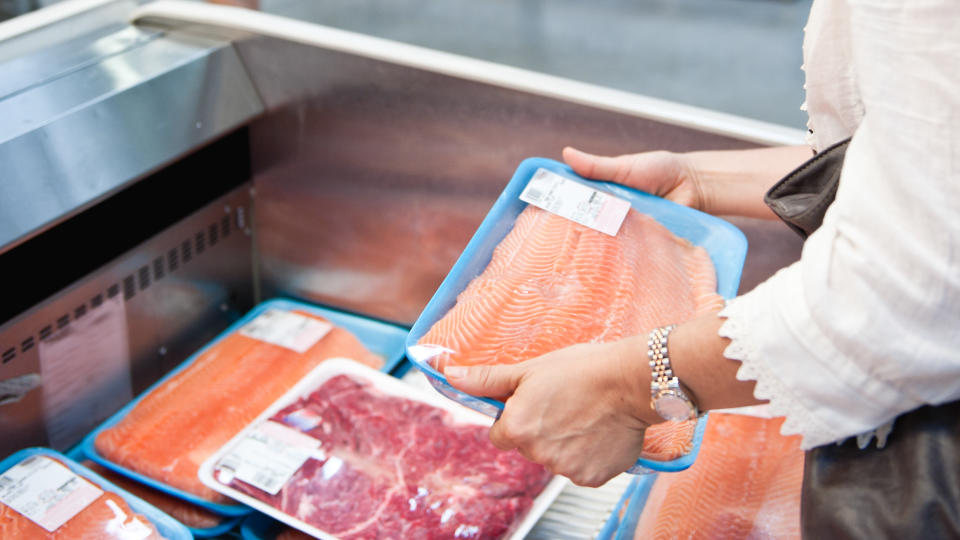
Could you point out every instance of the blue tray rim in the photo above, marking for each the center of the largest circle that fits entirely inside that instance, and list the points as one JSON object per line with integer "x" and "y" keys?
{"x": 638, "y": 499}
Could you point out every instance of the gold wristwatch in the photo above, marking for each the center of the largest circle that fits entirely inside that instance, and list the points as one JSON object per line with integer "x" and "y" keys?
{"x": 668, "y": 397}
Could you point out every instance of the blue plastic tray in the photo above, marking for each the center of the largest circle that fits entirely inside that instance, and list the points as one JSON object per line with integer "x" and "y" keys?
{"x": 228, "y": 523}
{"x": 632, "y": 500}
{"x": 381, "y": 338}
{"x": 166, "y": 525}
{"x": 259, "y": 526}
{"x": 726, "y": 245}
{"x": 631, "y": 515}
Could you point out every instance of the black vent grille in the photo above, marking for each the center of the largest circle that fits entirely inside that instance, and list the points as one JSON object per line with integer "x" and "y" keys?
{"x": 200, "y": 242}
{"x": 175, "y": 259}
{"x": 158, "y": 271}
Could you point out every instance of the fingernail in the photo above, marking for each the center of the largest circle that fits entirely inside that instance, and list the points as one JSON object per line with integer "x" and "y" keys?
{"x": 455, "y": 372}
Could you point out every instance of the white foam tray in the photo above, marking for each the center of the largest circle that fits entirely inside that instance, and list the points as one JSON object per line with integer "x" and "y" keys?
{"x": 389, "y": 385}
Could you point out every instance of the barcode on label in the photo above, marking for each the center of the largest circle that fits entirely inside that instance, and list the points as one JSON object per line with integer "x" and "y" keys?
{"x": 230, "y": 462}
{"x": 575, "y": 201}
{"x": 534, "y": 195}
{"x": 269, "y": 482}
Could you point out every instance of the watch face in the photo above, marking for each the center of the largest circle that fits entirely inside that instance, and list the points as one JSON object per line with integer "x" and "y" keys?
{"x": 673, "y": 407}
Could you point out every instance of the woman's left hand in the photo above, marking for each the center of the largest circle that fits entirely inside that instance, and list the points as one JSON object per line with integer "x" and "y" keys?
{"x": 580, "y": 411}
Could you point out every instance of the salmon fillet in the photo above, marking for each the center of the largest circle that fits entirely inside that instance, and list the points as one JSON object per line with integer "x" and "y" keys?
{"x": 668, "y": 440}
{"x": 552, "y": 283}
{"x": 746, "y": 483}
{"x": 190, "y": 515}
{"x": 178, "y": 425}
{"x": 107, "y": 517}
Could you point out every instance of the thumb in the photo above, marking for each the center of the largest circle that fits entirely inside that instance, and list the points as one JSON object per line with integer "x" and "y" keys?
{"x": 614, "y": 169}
{"x": 488, "y": 381}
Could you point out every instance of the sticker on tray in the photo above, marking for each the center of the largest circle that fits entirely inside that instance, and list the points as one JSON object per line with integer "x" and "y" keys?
{"x": 286, "y": 329}
{"x": 46, "y": 492}
{"x": 267, "y": 456}
{"x": 576, "y": 201}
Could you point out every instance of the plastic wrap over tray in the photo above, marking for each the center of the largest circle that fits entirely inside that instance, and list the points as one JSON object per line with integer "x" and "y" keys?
{"x": 351, "y": 452}
{"x": 516, "y": 235}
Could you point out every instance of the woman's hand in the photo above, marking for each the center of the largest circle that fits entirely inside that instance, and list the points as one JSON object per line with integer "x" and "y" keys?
{"x": 580, "y": 411}
{"x": 719, "y": 182}
{"x": 665, "y": 174}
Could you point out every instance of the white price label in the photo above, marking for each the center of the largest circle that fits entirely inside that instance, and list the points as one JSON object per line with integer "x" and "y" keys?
{"x": 267, "y": 456}
{"x": 286, "y": 329}
{"x": 46, "y": 492}
{"x": 576, "y": 201}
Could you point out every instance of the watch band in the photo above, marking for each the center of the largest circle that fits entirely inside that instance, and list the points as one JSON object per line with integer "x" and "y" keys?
{"x": 668, "y": 397}
{"x": 659, "y": 358}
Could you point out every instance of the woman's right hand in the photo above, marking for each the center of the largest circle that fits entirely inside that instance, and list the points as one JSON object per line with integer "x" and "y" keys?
{"x": 665, "y": 174}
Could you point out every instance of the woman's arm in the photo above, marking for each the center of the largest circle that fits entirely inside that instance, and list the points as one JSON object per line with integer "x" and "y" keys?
{"x": 719, "y": 182}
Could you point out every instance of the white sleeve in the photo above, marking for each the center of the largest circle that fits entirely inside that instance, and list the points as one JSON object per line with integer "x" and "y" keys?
{"x": 866, "y": 325}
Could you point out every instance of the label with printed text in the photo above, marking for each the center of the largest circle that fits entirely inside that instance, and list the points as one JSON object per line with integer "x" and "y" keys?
{"x": 267, "y": 456}
{"x": 286, "y": 329}
{"x": 576, "y": 201}
{"x": 46, "y": 492}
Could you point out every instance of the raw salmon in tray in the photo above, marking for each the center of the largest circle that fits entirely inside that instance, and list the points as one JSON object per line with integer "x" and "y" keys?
{"x": 161, "y": 438}
{"x": 746, "y": 483}
{"x": 201, "y": 522}
{"x": 561, "y": 260}
{"x": 45, "y": 494}
{"x": 353, "y": 453}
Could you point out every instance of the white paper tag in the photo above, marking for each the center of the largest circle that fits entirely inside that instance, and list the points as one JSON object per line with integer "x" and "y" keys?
{"x": 267, "y": 456}
{"x": 575, "y": 201}
{"x": 46, "y": 492}
{"x": 286, "y": 329}
{"x": 86, "y": 372}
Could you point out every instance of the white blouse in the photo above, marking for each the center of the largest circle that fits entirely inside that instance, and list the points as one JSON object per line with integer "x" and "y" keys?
{"x": 866, "y": 325}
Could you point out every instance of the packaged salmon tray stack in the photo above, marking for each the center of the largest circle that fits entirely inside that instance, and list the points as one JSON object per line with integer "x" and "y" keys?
{"x": 45, "y": 494}
{"x": 351, "y": 453}
{"x": 746, "y": 483}
{"x": 561, "y": 260}
{"x": 161, "y": 437}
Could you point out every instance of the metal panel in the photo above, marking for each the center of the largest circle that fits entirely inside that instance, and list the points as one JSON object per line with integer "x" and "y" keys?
{"x": 372, "y": 176}
{"x": 81, "y": 135}
{"x": 177, "y": 290}
{"x": 73, "y": 55}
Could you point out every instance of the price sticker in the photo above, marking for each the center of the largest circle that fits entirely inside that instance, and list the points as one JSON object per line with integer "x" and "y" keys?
{"x": 576, "y": 201}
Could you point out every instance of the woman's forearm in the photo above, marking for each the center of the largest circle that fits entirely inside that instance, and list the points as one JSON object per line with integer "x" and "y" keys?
{"x": 733, "y": 182}
{"x": 696, "y": 358}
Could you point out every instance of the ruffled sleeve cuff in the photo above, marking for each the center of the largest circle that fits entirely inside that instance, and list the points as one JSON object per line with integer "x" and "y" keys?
{"x": 822, "y": 398}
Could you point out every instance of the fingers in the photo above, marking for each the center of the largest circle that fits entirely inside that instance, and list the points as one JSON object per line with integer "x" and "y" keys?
{"x": 490, "y": 381}
{"x": 504, "y": 440}
{"x": 614, "y": 169}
